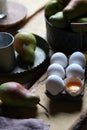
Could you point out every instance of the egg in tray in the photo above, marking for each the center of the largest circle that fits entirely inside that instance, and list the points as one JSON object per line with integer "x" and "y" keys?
{"x": 66, "y": 76}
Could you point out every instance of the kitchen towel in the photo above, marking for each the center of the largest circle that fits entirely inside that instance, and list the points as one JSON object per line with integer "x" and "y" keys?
{"x": 7, "y": 123}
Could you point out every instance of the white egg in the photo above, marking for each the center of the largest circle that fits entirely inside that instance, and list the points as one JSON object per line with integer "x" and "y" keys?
{"x": 56, "y": 69}
{"x": 54, "y": 84}
{"x": 59, "y": 58}
{"x": 75, "y": 70}
{"x": 79, "y": 58}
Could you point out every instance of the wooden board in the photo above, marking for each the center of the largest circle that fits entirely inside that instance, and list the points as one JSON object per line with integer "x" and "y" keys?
{"x": 16, "y": 13}
{"x": 61, "y": 113}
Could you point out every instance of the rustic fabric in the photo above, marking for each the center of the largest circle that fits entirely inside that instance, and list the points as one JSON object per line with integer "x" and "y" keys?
{"x": 22, "y": 124}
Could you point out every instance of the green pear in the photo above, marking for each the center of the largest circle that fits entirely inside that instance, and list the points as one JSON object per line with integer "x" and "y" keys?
{"x": 14, "y": 94}
{"x": 51, "y": 8}
{"x": 58, "y": 20}
{"x": 79, "y": 24}
{"x": 25, "y": 45}
{"x": 63, "y": 3}
{"x": 75, "y": 8}
{"x": 54, "y": 6}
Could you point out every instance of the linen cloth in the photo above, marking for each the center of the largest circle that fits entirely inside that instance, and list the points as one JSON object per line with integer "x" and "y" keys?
{"x": 7, "y": 123}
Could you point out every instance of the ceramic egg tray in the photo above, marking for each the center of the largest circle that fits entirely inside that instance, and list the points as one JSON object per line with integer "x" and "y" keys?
{"x": 64, "y": 94}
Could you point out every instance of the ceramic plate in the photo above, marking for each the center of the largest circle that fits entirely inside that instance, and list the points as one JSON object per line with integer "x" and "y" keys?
{"x": 24, "y": 73}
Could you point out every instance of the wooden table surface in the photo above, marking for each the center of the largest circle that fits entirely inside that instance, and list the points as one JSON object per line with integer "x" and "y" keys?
{"x": 61, "y": 114}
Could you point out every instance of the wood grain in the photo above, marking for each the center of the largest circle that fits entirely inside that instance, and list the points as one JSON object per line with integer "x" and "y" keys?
{"x": 16, "y": 13}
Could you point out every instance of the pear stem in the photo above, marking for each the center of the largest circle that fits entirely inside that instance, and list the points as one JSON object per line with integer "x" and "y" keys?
{"x": 43, "y": 107}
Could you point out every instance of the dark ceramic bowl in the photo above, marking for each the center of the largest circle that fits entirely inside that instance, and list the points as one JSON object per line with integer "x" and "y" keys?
{"x": 26, "y": 73}
{"x": 65, "y": 41}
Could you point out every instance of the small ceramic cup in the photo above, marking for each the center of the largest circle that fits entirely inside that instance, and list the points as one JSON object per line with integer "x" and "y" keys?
{"x": 7, "y": 53}
{"x": 3, "y": 8}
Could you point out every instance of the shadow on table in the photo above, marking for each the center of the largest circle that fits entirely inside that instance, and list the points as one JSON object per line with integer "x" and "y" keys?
{"x": 18, "y": 112}
{"x": 64, "y": 106}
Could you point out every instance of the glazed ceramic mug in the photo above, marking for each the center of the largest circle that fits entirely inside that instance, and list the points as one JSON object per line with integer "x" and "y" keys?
{"x": 7, "y": 53}
{"x": 3, "y": 8}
